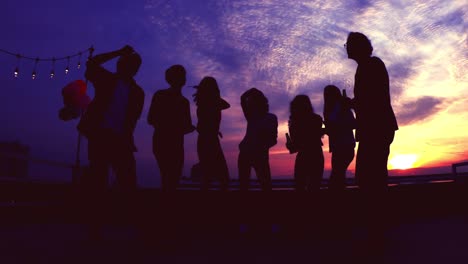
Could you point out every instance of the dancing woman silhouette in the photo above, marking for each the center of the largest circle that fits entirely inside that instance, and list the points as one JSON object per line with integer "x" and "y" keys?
{"x": 209, "y": 106}
{"x": 305, "y": 128}
{"x": 261, "y": 135}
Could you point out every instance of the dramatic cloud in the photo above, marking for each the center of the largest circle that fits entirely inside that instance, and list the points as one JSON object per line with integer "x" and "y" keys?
{"x": 298, "y": 45}
{"x": 419, "y": 110}
{"x": 287, "y": 48}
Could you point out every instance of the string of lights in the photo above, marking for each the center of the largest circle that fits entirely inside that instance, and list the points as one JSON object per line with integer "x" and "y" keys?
{"x": 36, "y": 60}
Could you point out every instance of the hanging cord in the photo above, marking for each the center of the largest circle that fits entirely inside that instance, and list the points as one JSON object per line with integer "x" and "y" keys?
{"x": 36, "y": 60}
{"x": 77, "y": 161}
{"x": 18, "y": 55}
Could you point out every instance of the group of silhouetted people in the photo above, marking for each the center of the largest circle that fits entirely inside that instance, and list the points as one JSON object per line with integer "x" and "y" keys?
{"x": 110, "y": 120}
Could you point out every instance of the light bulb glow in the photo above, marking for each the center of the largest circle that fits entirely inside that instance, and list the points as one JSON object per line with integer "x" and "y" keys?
{"x": 35, "y": 67}
{"x": 52, "y": 72}
{"x": 16, "y": 73}
{"x": 68, "y": 65}
{"x": 79, "y": 61}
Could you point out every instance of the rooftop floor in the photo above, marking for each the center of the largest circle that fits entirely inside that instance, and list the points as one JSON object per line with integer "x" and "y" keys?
{"x": 428, "y": 223}
{"x": 434, "y": 240}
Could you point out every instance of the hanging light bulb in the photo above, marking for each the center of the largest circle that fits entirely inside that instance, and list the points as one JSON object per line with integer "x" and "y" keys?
{"x": 16, "y": 72}
{"x": 67, "y": 69}
{"x": 52, "y": 72}
{"x": 34, "y": 74}
{"x": 79, "y": 61}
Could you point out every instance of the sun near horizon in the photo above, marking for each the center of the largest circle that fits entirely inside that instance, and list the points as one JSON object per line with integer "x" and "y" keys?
{"x": 402, "y": 161}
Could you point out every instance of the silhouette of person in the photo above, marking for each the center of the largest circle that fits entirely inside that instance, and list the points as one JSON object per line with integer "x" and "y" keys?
{"x": 211, "y": 156}
{"x": 376, "y": 122}
{"x": 305, "y": 129}
{"x": 339, "y": 125}
{"x": 169, "y": 114}
{"x": 261, "y": 135}
{"x": 109, "y": 123}
{"x": 376, "y": 126}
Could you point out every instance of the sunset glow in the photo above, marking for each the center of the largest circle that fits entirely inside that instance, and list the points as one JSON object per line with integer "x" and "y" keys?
{"x": 402, "y": 161}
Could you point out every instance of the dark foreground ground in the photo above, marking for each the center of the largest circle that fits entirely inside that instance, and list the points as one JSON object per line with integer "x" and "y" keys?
{"x": 44, "y": 224}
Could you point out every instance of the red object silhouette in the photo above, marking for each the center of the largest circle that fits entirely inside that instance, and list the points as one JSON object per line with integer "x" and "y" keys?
{"x": 75, "y": 100}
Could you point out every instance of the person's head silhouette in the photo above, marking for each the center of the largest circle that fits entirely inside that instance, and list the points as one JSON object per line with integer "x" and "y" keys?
{"x": 176, "y": 76}
{"x": 208, "y": 95}
{"x": 301, "y": 106}
{"x": 257, "y": 102}
{"x": 358, "y": 46}
{"x": 128, "y": 65}
{"x": 207, "y": 91}
{"x": 331, "y": 94}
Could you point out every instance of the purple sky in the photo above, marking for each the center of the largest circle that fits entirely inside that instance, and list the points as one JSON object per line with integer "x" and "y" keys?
{"x": 283, "y": 48}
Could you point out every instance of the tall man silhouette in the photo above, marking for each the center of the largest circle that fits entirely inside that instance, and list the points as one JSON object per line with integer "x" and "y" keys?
{"x": 169, "y": 114}
{"x": 376, "y": 123}
{"x": 109, "y": 123}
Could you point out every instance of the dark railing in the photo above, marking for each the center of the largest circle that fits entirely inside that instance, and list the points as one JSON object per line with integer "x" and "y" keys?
{"x": 460, "y": 177}
{"x": 26, "y": 200}
{"x": 277, "y": 184}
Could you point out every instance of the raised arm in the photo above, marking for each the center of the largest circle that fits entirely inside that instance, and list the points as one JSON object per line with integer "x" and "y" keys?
{"x": 105, "y": 57}
{"x": 93, "y": 66}
{"x": 187, "y": 122}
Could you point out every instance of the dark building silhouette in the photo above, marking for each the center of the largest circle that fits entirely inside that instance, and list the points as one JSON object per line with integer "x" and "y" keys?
{"x": 14, "y": 159}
